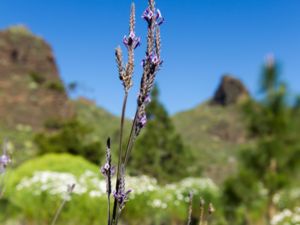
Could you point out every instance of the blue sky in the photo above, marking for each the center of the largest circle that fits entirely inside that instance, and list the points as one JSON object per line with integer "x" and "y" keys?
{"x": 202, "y": 39}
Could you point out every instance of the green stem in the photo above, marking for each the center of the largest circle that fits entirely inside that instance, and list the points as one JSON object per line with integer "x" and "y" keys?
{"x": 201, "y": 219}
{"x": 58, "y": 211}
{"x": 120, "y": 155}
{"x": 118, "y": 216}
{"x": 1, "y": 185}
{"x": 108, "y": 210}
{"x": 131, "y": 140}
{"x": 121, "y": 133}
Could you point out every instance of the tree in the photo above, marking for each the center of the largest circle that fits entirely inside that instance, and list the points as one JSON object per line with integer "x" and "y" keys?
{"x": 160, "y": 151}
{"x": 72, "y": 137}
{"x": 270, "y": 164}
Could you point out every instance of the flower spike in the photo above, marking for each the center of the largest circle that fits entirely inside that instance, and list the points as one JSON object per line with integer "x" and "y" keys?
{"x": 131, "y": 41}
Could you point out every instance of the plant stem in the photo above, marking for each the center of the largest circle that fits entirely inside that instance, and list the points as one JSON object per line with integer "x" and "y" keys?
{"x": 120, "y": 155}
{"x": 121, "y": 133}
{"x": 131, "y": 139}
{"x": 201, "y": 219}
{"x": 118, "y": 216}
{"x": 1, "y": 185}
{"x": 58, "y": 212}
{"x": 108, "y": 210}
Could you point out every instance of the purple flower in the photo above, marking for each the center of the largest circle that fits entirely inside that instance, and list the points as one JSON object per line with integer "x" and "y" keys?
{"x": 153, "y": 59}
{"x": 159, "y": 18}
{"x": 4, "y": 160}
{"x": 148, "y": 99}
{"x": 105, "y": 170}
{"x": 132, "y": 41}
{"x": 142, "y": 120}
{"x": 108, "y": 170}
{"x": 120, "y": 194}
{"x": 122, "y": 197}
{"x": 149, "y": 14}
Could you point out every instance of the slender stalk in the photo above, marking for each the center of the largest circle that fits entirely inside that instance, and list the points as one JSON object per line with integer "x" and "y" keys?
{"x": 120, "y": 155}
{"x": 201, "y": 219}
{"x": 58, "y": 211}
{"x": 3, "y": 180}
{"x": 131, "y": 139}
{"x": 190, "y": 209}
{"x": 108, "y": 210}
{"x": 121, "y": 133}
{"x": 1, "y": 185}
{"x": 129, "y": 144}
{"x": 118, "y": 216}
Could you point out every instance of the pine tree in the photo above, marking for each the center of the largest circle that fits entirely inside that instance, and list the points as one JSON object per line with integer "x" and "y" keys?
{"x": 160, "y": 151}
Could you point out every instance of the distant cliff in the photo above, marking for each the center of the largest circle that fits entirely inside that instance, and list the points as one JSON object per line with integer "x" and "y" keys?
{"x": 31, "y": 91}
{"x": 230, "y": 91}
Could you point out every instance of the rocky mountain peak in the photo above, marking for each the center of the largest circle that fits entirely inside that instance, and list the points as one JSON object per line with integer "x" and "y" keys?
{"x": 230, "y": 91}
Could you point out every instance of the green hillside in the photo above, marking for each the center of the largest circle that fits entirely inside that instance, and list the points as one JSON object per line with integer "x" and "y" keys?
{"x": 103, "y": 123}
{"x": 214, "y": 133}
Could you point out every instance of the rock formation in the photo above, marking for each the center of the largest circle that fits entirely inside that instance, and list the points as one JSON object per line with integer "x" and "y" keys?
{"x": 31, "y": 91}
{"x": 230, "y": 91}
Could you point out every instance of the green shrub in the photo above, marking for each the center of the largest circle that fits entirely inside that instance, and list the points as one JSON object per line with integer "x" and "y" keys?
{"x": 55, "y": 86}
{"x": 72, "y": 137}
{"x": 53, "y": 124}
{"x": 38, "y": 186}
{"x": 37, "y": 77}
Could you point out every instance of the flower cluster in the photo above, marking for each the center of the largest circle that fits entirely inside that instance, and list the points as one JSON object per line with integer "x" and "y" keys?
{"x": 141, "y": 120}
{"x": 5, "y": 160}
{"x": 108, "y": 170}
{"x": 150, "y": 15}
{"x": 287, "y": 217}
{"x": 120, "y": 194}
{"x": 55, "y": 183}
{"x": 154, "y": 61}
{"x": 122, "y": 197}
{"x": 131, "y": 41}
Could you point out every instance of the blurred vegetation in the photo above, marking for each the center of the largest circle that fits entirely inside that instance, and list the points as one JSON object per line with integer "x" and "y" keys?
{"x": 268, "y": 166}
{"x": 160, "y": 151}
{"x": 55, "y": 86}
{"x": 19, "y": 142}
{"x": 37, "y": 77}
{"x": 103, "y": 123}
{"x": 213, "y": 134}
{"x": 37, "y": 187}
{"x": 71, "y": 137}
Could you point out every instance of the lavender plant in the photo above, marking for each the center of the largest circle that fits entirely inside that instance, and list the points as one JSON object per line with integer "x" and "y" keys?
{"x": 5, "y": 160}
{"x": 151, "y": 65}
